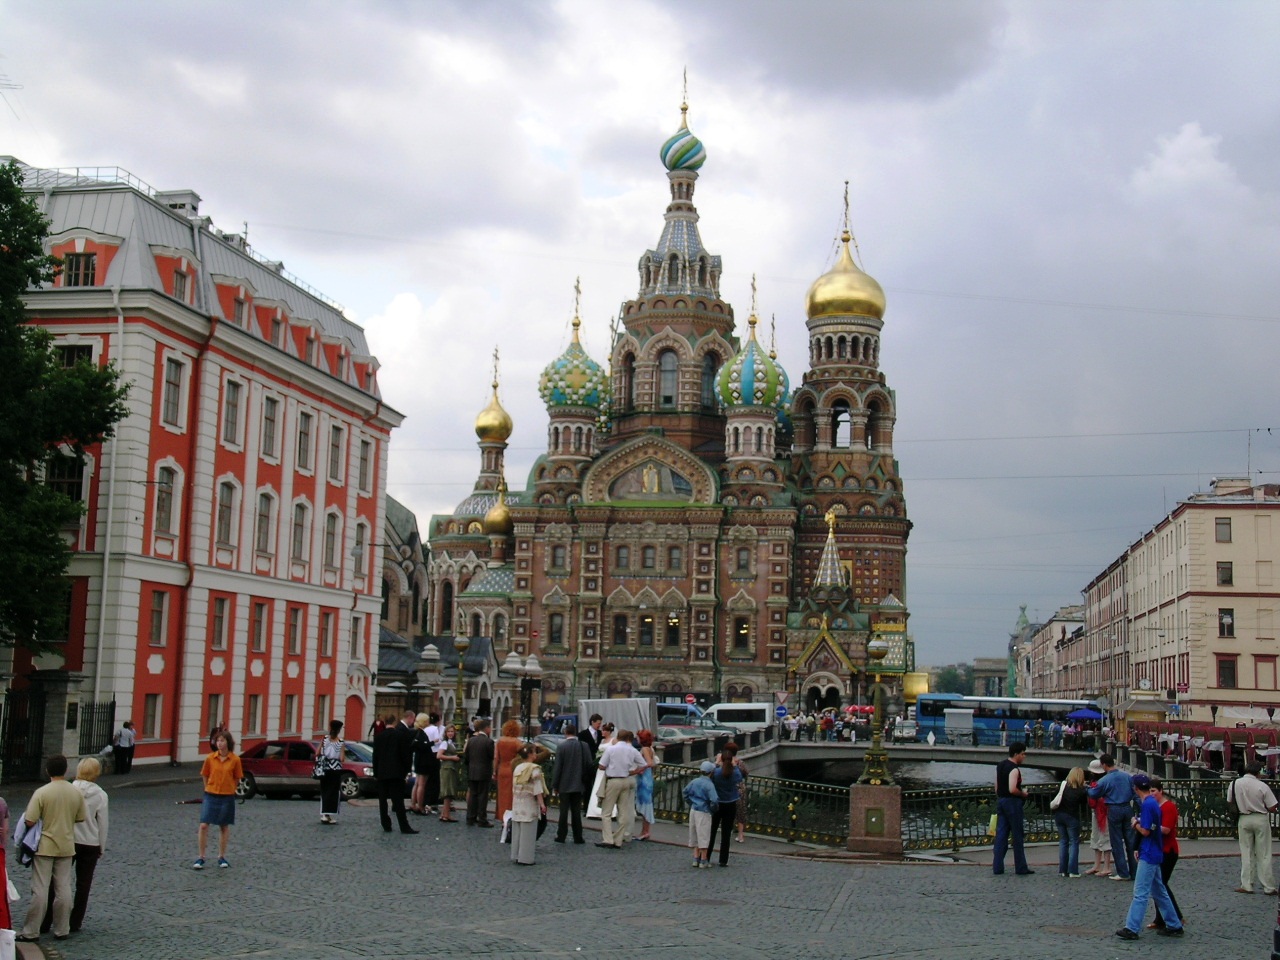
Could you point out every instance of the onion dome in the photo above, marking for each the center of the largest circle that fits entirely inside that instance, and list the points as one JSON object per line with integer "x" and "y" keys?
{"x": 752, "y": 378}
{"x": 845, "y": 290}
{"x": 493, "y": 424}
{"x": 573, "y": 379}
{"x": 683, "y": 151}
{"x": 498, "y": 519}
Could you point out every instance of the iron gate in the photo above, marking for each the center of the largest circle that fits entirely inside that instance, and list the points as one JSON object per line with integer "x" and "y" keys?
{"x": 22, "y": 735}
{"x": 97, "y": 726}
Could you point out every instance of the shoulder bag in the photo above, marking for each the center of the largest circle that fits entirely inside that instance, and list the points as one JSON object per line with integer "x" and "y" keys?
{"x": 1057, "y": 801}
{"x": 1233, "y": 808}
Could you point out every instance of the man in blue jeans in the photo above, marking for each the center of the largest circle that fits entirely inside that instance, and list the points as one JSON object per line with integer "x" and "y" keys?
{"x": 1148, "y": 883}
{"x": 1009, "y": 797}
{"x": 1116, "y": 789}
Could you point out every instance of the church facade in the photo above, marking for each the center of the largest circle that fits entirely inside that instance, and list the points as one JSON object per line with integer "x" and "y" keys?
{"x": 696, "y": 525}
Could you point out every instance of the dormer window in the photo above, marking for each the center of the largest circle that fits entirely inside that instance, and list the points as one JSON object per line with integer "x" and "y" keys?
{"x": 240, "y": 314}
{"x": 180, "y": 286}
{"x": 79, "y": 269}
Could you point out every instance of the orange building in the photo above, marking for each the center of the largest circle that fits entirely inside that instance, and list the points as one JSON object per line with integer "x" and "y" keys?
{"x": 228, "y": 569}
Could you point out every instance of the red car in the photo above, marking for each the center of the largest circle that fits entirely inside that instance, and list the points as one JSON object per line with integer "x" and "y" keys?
{"x": 281, "y": 768}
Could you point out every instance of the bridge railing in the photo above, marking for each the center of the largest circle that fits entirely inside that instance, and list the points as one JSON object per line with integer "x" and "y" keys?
{"x": 788, "y": 809}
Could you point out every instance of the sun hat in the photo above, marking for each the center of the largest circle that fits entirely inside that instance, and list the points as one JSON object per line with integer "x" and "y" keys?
{"x": 1095, "y": 766}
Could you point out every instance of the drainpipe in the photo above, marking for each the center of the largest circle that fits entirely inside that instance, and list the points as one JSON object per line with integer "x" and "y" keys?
{"x": 193, "y": 425}
{"x": 111, "y": 509}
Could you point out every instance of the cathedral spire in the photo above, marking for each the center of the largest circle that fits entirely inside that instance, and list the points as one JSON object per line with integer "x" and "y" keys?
{"x": 830, "y": 573}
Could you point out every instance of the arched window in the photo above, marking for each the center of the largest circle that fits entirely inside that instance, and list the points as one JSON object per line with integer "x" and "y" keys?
{"x": 623, "y": 558}
{"x": 702, "y": 271}
{"x": 417, "y": 602}
{"x": 165, "y": 478}
{"x": 386, "y": 598}
{"x": 674, "y": 558}
{"x": 673, "y": 271}
{"x": 477, "y": 624}
{"x": 499, "y": 628}
{"x": 298, "y": 550}
{"x": 649, "y": 558}
{"x": 710, "y": 364}
{"x": 841, "y": 425}
{"x": 840, "y": 347}
{"x": 874, "y": 425}
{"x": 446, "y": 608}
{"x": 759, "y": 439}
{"x": 577, "y": 439}
{"x": 628, "y": 386}
{"x": 667, "y": 378}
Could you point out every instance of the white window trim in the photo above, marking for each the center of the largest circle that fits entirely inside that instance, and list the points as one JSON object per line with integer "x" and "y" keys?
{"x": 307, "y": 537}
{"x": 236, "y": 442}
{"x": 184, "y": 392}
{"x": 237, "y": 510}
{"x": 338, "y": 540}
{"x": 273, "y": 522}
{"x": 344, "y": 453}
{"x": 367, "y": 486}
{"x": 310, "y": 468}
{"x": 277, "y": 444}
{"x": 179, "y": 483}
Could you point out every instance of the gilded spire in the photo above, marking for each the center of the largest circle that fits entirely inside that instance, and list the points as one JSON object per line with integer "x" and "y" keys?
{"x": 752, "y": 320}
{"x": 830, "y": 573}
{"x": 577, "y": 306}
{"x": 493, "y": 424}
{"x": 773, "y": 336}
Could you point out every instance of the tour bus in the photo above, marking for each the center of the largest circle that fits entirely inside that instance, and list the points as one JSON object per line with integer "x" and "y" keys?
{"x": 745, "y": 716}
{"x": 935, "y": 712}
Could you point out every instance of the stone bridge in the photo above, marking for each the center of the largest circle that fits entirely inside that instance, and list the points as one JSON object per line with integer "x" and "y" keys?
{"x": 765, "y": 759}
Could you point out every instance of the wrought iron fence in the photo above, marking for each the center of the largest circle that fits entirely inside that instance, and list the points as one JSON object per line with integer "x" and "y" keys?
{"x": 951, "y": 819}
{"x": 22, "y": 735}
{"x": 97, "y": 726}
{"x": 789, "y": 809}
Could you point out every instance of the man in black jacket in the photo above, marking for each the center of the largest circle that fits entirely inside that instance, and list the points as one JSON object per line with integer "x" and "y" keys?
{"x": 573, "y": 773}
{"x": 477, "y": 761}
{"x": 392, "y": 756}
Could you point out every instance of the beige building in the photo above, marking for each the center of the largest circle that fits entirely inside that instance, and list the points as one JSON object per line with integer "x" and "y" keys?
{"x": 1044, "y": 653}
{"x": 1191, "y": 606}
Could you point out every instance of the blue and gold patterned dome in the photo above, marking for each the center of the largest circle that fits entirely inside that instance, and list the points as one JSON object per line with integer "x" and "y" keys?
{"x": 752, "y": 378}
{"x": 573, "y": 379}
{"x": 683, "y": 151}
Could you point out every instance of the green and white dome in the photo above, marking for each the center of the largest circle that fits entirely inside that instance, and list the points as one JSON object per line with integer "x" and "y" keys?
{"x": 683, "y": 151}
{"x": 752, "y": 378}
{"x": 573, "y": 379}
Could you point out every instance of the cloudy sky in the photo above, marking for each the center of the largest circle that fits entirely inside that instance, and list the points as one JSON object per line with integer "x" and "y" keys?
{"x": 1074, "y": 209}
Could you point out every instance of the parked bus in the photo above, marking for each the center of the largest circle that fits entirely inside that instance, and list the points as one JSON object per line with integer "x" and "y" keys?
{"x": 933, "y": 710}
{"x": 745, "y": 716}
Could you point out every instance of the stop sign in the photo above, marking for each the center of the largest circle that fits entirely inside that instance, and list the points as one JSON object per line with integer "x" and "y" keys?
{"x": 690, "y": 698}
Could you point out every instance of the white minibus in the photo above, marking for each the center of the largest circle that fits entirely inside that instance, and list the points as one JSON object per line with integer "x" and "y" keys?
{"x": 744, "y": 716}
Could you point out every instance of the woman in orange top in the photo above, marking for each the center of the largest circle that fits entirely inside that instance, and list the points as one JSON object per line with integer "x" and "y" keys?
{"x": 221, "y": 773}
{"x": 504, "y": 756}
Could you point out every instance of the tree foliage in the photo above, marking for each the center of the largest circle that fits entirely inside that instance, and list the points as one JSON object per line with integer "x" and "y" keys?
{"x": 46, "y": 410}
{"x": 956, "y": 679}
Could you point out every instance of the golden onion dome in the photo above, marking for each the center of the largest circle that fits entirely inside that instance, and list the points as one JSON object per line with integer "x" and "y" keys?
{"x": 845, "y": 290}
{"x": 494, "y": 423}
{"x": 498, "y": 519}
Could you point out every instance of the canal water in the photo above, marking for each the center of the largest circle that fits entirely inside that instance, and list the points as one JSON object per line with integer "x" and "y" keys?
{"x": 912, "y": 775}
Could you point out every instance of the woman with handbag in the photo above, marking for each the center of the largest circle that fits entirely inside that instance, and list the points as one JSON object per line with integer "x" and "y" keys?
{"x": 1070, "y": 808}
{"x": 528, "y": 804}
{"x": 329, "y": 764}
{"x": 450, "y": 773}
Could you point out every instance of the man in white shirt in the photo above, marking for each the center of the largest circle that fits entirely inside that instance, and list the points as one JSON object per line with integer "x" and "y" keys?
{"x": 1256, "y": 803}
{"x": 620, "y": 763}
{"x": 122, "y": 746}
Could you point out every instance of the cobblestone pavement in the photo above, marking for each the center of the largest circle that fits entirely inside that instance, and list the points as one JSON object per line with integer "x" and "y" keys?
{"x": 300, "y": 891}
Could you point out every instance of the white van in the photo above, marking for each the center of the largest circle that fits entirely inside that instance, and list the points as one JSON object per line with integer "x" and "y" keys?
{"x": 744, "y": 716}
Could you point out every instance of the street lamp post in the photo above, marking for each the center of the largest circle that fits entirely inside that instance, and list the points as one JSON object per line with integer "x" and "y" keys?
{"x": 460, "y": 644}
{"x": 875, "y": 763}
{"x": 530, "y": 673}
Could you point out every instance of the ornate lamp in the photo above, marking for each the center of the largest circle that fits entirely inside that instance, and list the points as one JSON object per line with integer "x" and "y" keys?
{"x": 875, "y": 763}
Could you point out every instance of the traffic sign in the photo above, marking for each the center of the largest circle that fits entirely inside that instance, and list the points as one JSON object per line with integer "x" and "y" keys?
{"x": 779, "y": 711}
{"x": 690, "y": 698}
{"x": 1183, "y": 687}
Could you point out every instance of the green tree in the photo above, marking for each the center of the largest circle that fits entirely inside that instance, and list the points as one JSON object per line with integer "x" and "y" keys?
{"x": 46, "y": 411}
{"x": 956, "y": 679}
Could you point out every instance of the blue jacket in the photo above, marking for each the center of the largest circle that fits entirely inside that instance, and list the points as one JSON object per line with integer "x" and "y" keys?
{"x": 1115, "y": 787}
{"x": 701, "y": 795}
{"x": 727, "y": 787}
